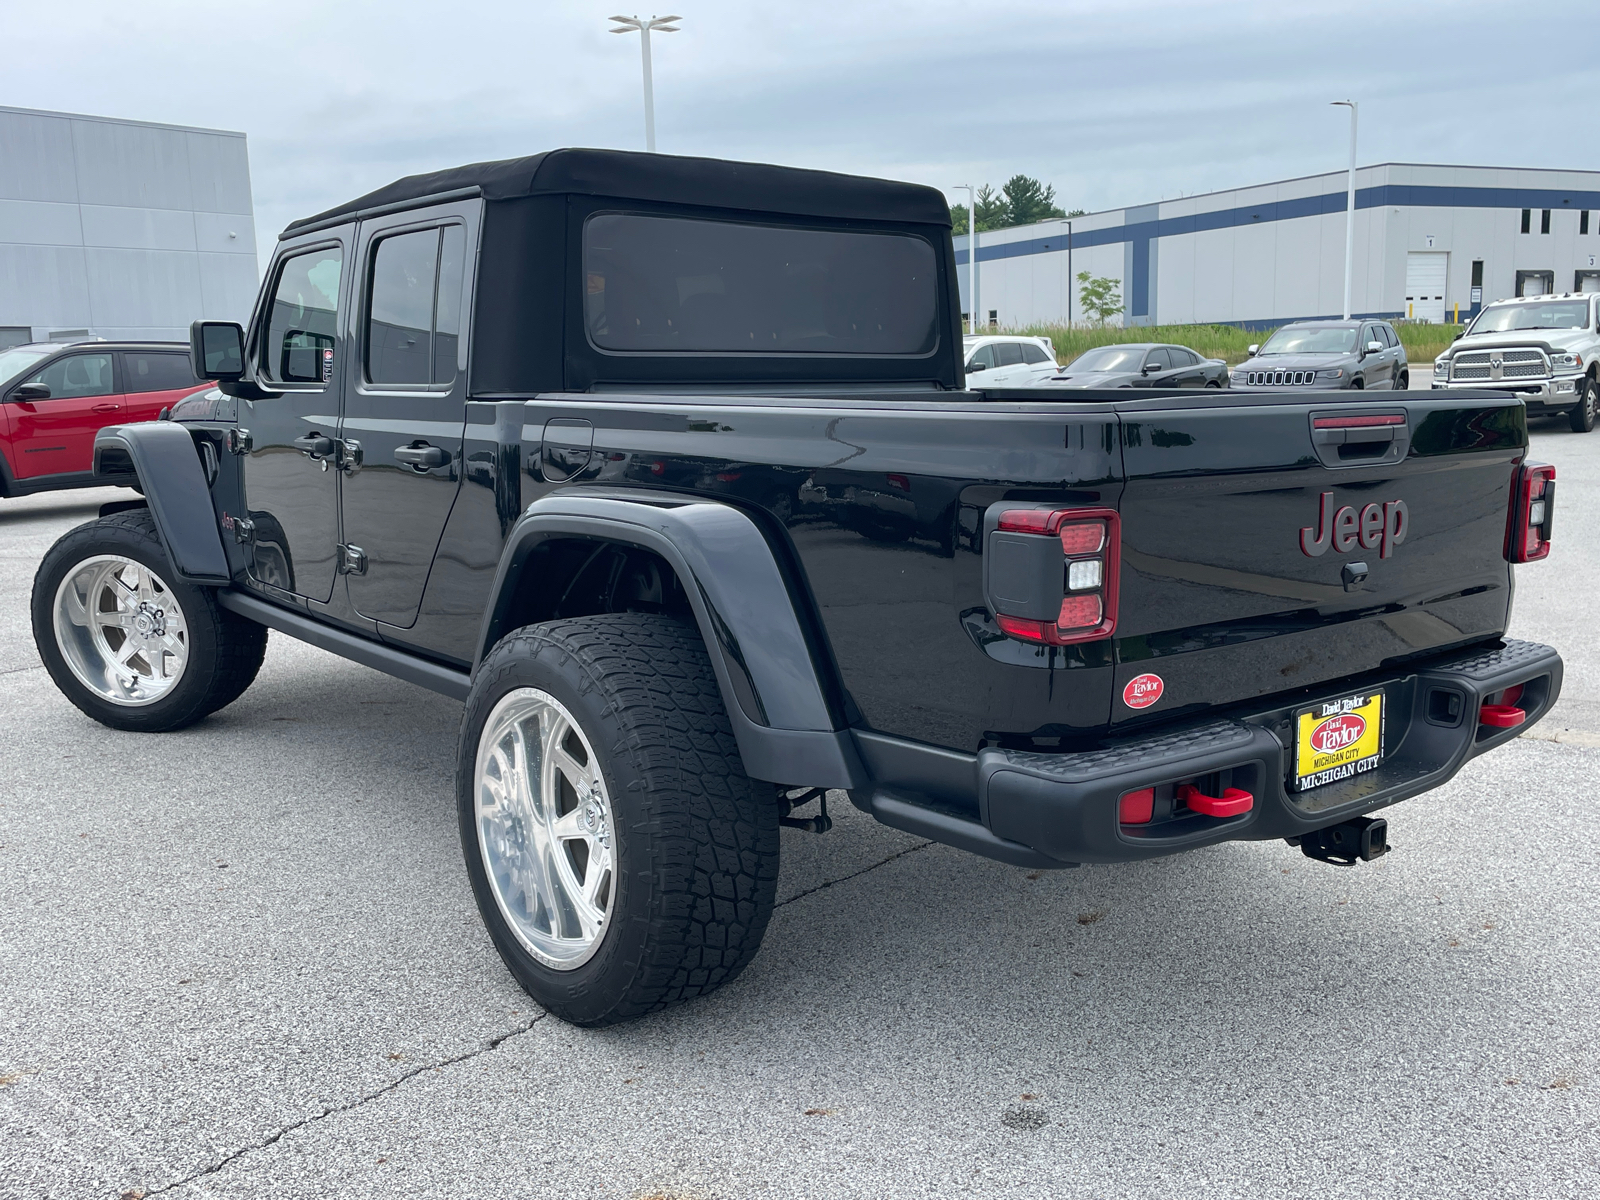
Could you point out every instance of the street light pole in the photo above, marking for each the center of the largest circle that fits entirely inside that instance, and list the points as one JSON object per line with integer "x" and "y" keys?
{"x": 1349, "y": 205}
{"x": 1071, "y": 279}
{"x": 643, "y": 29}
{"x": 972, "y": 254}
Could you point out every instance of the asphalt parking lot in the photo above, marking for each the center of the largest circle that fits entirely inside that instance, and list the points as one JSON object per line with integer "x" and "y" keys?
{"x": 243, "y": 961}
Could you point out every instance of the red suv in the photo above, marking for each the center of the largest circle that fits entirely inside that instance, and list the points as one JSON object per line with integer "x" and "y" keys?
{"x": 55, "y": 396}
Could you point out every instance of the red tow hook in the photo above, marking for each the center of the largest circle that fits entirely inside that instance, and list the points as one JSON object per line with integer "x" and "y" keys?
{"x": 1506, "y": 714}
{"x": 1231, "y": 803}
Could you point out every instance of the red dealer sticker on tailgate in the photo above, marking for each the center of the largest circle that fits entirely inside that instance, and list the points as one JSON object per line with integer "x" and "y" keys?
{"x": 1142, "y": 691}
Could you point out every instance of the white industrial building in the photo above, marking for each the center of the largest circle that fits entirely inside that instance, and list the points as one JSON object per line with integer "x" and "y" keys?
{"x": 1428, "y": 239}
{"x": 120, "y": 229}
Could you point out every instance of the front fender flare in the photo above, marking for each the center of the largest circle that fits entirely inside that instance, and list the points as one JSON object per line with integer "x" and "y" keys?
{"x": 771, "y": 683}
{"x": 162, "y": 454}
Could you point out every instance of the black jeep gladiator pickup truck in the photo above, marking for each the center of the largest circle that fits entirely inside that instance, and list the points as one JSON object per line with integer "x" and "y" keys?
{"x": 666, "y": 467}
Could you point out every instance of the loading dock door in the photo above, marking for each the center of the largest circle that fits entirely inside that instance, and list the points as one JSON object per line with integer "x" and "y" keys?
{"x": 1587, "y": 281}
{"x": 1536, "y": 283}
{"x": 1425, "y": 279}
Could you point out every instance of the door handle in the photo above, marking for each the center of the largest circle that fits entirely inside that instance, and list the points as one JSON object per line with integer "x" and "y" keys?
{"x": 423, "y": 457}
{"x": 105, "y": 408}
{"x": 314, "y": 445}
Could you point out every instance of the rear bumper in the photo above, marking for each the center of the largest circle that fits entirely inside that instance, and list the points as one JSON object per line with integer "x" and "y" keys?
{"x": 1062, "y": 809}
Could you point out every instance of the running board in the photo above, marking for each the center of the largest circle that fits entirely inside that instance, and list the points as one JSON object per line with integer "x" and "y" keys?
{"x": 435, "y": 677}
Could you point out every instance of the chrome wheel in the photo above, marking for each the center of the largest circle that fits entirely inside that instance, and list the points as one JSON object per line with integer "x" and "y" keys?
{"x": 545, "y": 828}
{"x": 121, "y": 630}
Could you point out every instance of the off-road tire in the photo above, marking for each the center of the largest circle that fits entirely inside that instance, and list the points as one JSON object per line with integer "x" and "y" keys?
{"x": 1582, "y": 414}
{"x": 225, "y": 649}
{"x": 696, "y": 840}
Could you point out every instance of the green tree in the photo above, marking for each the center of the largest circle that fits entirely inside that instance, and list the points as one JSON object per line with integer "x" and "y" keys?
{"x": 1099, "y": 296}
{"x": 1027, "y": 200}
{"x": 1022, "y": 201}
{"x": 1078, "y": 212}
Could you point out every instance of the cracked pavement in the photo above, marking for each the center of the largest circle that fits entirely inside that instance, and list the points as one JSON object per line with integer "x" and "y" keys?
{"x": 243, "y": 960}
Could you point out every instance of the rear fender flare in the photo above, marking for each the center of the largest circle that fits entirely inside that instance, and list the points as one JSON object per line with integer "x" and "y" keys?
{"x": 770, "y": 681}
{"x": 162, "y": 454}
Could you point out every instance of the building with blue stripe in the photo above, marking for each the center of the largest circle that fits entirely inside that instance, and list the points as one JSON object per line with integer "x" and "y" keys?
{"x": 1430, "y": 241}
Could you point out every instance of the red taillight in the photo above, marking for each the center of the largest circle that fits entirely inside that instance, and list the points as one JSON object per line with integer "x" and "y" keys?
{"x": 1533, "y": 490}
{"x": 1362, "y": 422}
{"x": 899, "y": 481}
{"x": 1091, "y": 540}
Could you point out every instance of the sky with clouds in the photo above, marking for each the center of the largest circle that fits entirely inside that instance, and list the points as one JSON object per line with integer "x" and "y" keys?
{"x": 1112, "y": 103}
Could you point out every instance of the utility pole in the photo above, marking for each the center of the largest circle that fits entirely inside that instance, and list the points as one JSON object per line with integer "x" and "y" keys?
{"x": 1349, "y": 205}
{"x": 1072, "y": 281}
{"x": 643, "y": 29}
{"x": 972, "y": 254}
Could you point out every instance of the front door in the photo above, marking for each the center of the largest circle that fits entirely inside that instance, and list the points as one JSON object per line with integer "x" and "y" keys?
{"x": 54, "y": 435}
{"x": 291, "y": 478}
{"x": 405, "y": 403}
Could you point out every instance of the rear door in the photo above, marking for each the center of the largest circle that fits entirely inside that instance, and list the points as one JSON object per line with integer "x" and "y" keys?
{"x": 153, "y": 380}
{"x": 1219, "y": 599}
{"x": 405, "y": 407}
{"x": 1009, "y": 369}
{"x": 1038, "y": 362}
{"x": 1187, "y": 369}
{"x": 55, "y": 436}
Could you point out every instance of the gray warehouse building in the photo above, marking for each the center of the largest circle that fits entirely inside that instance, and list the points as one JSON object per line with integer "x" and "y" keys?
{"x": 1430, "y": 241}
{"x": 120, "y": 229}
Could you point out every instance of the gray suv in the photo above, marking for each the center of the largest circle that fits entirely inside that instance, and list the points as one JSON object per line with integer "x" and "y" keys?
{"x": 1326, "y": 355}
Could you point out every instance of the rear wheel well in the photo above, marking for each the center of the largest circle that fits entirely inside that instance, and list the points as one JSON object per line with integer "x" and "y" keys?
{"x": 581, "y": 577}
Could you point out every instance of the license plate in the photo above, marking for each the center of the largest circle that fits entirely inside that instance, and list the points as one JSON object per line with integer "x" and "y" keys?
{"x": 1338, "y": 739}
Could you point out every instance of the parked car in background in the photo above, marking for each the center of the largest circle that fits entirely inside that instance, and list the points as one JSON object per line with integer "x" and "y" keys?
{"x": 54, "y": 397}
{"x": 1327, "y": 355}
{"x": 1009, "y": 361}
{"x": 1546, "y": 349}
{"x": 1140, "y": 364}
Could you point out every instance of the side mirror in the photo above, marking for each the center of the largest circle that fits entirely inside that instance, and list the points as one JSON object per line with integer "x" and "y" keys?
{"x": 1253, "y": 349}
{"x": 1460, "y": 333}
{"x": 1149, "y": 367}
{"x": 217, "y": 350}
{"x": 974, "y": 367}
{"x": 1374, "y": 347}
{"x": 31, "y": 391}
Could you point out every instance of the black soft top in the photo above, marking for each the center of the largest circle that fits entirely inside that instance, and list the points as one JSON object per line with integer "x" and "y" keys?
{"x": 665, "y": 178}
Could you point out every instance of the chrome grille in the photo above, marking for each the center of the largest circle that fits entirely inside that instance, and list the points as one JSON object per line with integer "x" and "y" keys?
{"x": 1279, "y": 378}
{"x": 1491, "y": 365}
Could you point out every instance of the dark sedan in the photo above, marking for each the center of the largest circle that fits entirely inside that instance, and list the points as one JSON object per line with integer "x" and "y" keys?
{"x": 1140, "y": 364}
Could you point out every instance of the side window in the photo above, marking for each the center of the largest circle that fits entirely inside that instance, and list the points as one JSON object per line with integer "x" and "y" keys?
{"x": 1181, "y": 357}
{"x": 1007, "y": 354}
{"x": 413, "y": 329}
{"x": 301, "y": 327}
{"x": 1033, "y": 354}
{"x": 1389, "y": 335}
{"x": 156, "y": 372}
{"x": 1158, "y": 359}
{"x": 77, "y": 375}
{"x": 983, "y": 356}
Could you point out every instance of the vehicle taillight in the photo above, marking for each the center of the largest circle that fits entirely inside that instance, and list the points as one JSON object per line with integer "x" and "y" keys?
{"x": 1090, "y": 540}
{"x": 1533, "y": 494}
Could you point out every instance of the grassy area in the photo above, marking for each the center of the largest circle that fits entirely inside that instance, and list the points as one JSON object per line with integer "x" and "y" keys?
{"x": 1423, "y": 343}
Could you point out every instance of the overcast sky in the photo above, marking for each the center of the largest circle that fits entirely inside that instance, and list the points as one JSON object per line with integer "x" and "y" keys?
{"x": 1112, "y": 103}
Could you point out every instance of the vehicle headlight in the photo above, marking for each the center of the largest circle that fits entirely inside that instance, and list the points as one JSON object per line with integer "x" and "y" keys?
{"x": 1566, "y": 362}
{"x": 1331, "y": 373}
{"x": 1441, "y": 366}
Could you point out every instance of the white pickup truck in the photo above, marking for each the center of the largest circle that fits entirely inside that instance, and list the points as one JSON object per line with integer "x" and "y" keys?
{"x": 1545, "y": 347}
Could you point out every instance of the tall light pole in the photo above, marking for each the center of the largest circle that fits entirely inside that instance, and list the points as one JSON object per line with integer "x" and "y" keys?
{"x": 643, "y": 29}
{"x": 972, "y": 253}
{"x": 1349, "y": 205}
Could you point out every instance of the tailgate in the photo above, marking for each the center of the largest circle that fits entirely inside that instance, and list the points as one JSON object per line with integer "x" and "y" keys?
{"x": 1219, "y": 599}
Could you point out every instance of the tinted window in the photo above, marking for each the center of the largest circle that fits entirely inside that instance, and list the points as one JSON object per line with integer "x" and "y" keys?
{"x": 447, "y": 321}
{"x": 1311, "y": 340}
{"x": 1033, "y": 354}
{"x": 982, "y": 357}
{"x": 1183, "y": 358}
{"x": 77, "y": 375}
{"x": 301, "y": 328}
{"x": 669, "y": 284}
{"x": 156, "y": 372}
{"x": 1389, "y": 335}
{"x": 414, "y": 307}
{"x": 400, "y": 313}
{"x": 1008, "y": 354}
{"x": 1157, "y": 359}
